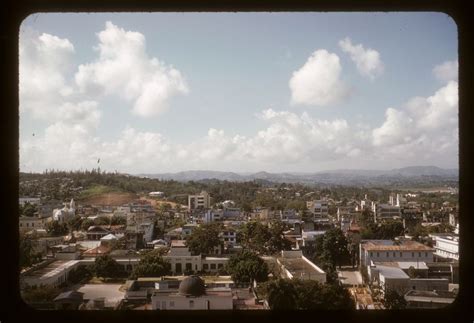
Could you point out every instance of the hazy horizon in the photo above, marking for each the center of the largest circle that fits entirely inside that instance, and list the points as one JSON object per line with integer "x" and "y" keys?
{"x": 276, "y": 92}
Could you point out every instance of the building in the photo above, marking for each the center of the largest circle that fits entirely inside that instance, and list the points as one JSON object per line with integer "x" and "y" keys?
{"x": 389, "y": 250}
{"x": 318, "y": 208}
{"x": 192, "y": 295}
{"x": 429, "y": 299}
{"x": 156, "y": 194}
{"x": 294, "y": 265}
{"x": 66, "y": 213}
{"x": 199, "y": 201}
{"x": 28, "y": 223}
{"x": 30, "y": 200}
{"x": 387, "y": 212}
{"x": 446, "y": 246}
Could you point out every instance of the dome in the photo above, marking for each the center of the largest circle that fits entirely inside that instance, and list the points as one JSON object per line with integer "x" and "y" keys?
{"x": 192, "y": 286}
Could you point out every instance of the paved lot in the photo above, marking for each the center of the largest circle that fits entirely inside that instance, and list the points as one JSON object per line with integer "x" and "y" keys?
{"x": 350, "y": 277}
{"x": 111, "y": 292}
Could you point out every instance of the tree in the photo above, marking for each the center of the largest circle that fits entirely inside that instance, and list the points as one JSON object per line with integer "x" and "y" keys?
{"x": 334, "y": 247}
{"x": 27, "y": 256}
{"x": 254, "y": 236}
{"x": 39, "y": 294}
{"x": 105, "y": 266}
{"x": 28, "y": 209}
{"x": 79, "y": 274}
{"x": 86, "y": 224}
{"x": 306, "y": 295}
{"x": 246, "y": 266}
{"x": 118, "y": 220}
{"x": 277, "y": 241}
{"x": 151, "y": 265}
{"x": 74, "y": 224}
{"x": 281, "y": 294}
{"x": 394, "y": 300}
{"x": 55, "y": 229}
{"x": 203, "y": 239}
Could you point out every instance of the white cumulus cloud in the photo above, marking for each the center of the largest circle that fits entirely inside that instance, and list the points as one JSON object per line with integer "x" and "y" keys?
{"x": 447, "y": 71}
{"x": 124, "y": 68}
{"x": 318, "y": 81}
{"x": 368, "y": 61}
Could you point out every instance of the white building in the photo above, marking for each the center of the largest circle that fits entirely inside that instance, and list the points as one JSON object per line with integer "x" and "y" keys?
{"x": 389, "y": 250}
{"x": 446, "y": 246}
{"x": 192, "y": 295}
{"x": 156, "y": 194}
{"x": 294, "y": 265}
{"x": 66, "y": 213}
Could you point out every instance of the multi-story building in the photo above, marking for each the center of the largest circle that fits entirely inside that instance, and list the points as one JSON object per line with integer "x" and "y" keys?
{"x": 199, "y": 201}
{"x": 389, "y": 251}
{"x": 446, "y": 246}
{"x": 384, "y": 212}
{"x": 318, "y": 208}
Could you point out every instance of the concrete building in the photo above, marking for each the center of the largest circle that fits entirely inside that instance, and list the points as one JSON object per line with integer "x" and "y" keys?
{"x": 28, "y": 223}
{"x": 417, "y": 299}
{"x": 192, "y": 295}
{"x": 446, "y": 246}
{"x": 294, "y": 265}
{"x": 386, "y": 212}
{"x": 388, "y": 250}
{"x": 318, "y": 208}
{"x": 66, "y": 213}
{"x": 199, "y": 201}
{"x": 30, "y": 200}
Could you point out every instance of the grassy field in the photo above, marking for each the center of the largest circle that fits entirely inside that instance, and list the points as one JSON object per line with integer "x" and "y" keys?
{"x": 105, "y": 195}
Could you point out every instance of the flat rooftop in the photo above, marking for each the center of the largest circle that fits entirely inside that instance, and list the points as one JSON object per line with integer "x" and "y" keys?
{"x": 389, "y": 245}
{"x": 51, "y": 269}
{"x": 298, "y": 267}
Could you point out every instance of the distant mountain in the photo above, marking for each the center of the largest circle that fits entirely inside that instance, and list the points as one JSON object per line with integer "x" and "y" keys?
{"x": 412, "y": 174}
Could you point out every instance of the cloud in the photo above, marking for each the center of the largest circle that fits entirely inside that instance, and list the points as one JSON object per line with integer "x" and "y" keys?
{"x": 447, "y": 71}
{"x": 423, "y": 129}
{"x": 318, "y": 81}
{"x": 124, "y": 68}
{"x": 368, "y": 61}
{"x": 44, "y": 60}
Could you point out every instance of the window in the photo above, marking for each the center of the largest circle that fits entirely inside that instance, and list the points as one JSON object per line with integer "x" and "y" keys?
{"x": 213, "y": 266}
{"x": 220, "y": 265}
{"x": 388, "y": 255}
{"x": 191, "y": 304}
{"x": 419, "y": 254}
{"x": 426, "y": 254}
{"x": 378, "y": 255}
{"x": 413, "y": 254}
{"x": 27, "y": 224}
{"x": 205, "y": 266}
{"x": 33, "y": 224}
{"x": 171, "y": 303}
{"x": 393, "y": 254}
{"x": 371, "y": 254}
{"x": 401, "y": 255}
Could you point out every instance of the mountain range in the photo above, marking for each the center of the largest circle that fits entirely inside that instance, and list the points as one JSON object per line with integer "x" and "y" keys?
{"x": 409, "y": 175}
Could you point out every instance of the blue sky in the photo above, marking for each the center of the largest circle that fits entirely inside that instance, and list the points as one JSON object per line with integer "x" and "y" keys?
{"x": 162, "y": 92}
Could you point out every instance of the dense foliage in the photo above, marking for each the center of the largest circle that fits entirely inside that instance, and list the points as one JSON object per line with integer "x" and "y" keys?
{"x": 203, "y": 239}
{"x": 106, "y": 267}
{"x": 79, "y": 274}
{"x": 263, "y": 239}
{"x": 394, "y": 300}
{"x": 151, "y": 264}
{"x": 295, "y": 294}
{"x": 27, "y": 255}
{"x": 247, "y": 266}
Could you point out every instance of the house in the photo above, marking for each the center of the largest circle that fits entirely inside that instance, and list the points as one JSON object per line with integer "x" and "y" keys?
{"x": 95, "y": 232}
{"x": 28, "y": 223}
{"x": 417, "y": 299}
{"x": 318, "y": 208}
{"x": 387, "y": 212}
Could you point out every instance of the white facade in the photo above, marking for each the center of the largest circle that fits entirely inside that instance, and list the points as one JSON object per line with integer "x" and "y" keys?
{"x": 387, "y": 250}
{"x": 213, "y": 300}
{"x": 447, "y": 247}
{"x": 319, "y": 208}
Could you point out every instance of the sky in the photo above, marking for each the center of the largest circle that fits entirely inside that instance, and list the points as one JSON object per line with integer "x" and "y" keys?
{"x": 242, "y": 92}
